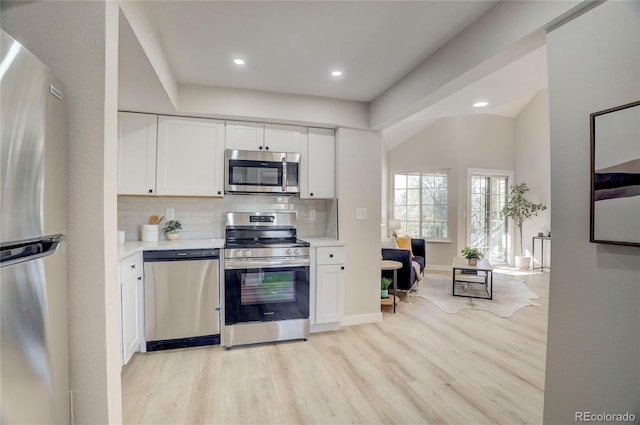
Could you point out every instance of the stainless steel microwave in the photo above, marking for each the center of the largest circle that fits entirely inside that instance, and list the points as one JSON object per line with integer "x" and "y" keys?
{"x": 261, "y": 172}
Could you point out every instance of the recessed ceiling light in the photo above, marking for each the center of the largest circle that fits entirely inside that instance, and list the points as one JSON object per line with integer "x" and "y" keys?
{"x": 238, "y": 61}
{"x": 480, "y": 104}
{"x": 336, "y": 73}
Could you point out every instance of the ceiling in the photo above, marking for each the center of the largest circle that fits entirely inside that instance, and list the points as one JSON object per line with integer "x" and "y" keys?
{"x": 292, "y": 46}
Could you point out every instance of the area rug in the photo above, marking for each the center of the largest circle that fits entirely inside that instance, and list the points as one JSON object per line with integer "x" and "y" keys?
{"x": 509, "y": 295}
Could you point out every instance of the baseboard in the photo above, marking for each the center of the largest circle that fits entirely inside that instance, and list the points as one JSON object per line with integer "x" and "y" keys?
{"x": 359, "y": 319}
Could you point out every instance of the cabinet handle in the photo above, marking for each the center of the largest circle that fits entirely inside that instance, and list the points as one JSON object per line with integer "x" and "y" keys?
{"x": 342, "y": 268}
{"x": 330, "y": 255}
{"x": 267, "y": 147}
{"x": 133, "y": 266}
{"x": 140, "y": 277}
{"x": 260, "y": 147}
{"x": 150, "y": 190}
{"x": 311, "y": 194}
{"x": 219, "y": 193}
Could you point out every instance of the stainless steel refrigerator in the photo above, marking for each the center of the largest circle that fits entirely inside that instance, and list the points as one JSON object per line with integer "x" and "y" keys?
{"x": 34, "y": 365}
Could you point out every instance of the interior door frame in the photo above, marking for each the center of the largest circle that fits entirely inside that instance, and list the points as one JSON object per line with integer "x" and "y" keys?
{"x": 495, "y": 173}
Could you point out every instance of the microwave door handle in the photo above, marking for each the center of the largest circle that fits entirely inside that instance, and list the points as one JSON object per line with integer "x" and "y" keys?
{"x": 284, "y": 173}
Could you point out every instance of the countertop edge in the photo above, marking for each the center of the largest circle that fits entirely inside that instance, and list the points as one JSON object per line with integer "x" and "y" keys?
{"x": 321, "y": 241}
{"x": 133, "y": 247}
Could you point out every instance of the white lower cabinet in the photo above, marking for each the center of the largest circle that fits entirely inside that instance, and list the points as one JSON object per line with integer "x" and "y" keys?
{"x": 131, "y": 287}
{"x": 329, "y": 282}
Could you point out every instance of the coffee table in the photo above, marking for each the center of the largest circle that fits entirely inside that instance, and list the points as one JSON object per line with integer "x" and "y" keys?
{"x": 472, "y": 281}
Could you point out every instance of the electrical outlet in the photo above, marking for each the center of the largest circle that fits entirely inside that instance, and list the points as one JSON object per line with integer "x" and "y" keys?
{"x": 171, "y": 214}
{"x": 312, "y": 215}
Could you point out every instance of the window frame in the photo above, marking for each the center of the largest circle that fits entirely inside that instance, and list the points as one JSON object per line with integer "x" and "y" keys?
{"x": 446, "y": 172}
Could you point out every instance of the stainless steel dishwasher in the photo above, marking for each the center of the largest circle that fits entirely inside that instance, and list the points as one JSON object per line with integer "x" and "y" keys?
{"x": 181, "y": 298}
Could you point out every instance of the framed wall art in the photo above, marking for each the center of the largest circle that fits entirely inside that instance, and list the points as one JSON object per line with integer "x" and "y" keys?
{"x": 615, "y": 175}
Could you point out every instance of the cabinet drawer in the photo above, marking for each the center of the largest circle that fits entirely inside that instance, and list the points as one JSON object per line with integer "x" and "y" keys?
{"x": 130, "y": 266}
{"x": 330, "y": 255}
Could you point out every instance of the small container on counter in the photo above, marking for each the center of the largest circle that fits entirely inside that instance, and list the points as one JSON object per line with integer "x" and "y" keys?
{"x": 149, "y": 233}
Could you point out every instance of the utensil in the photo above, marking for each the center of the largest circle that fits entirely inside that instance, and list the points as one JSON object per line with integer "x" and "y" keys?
{"x": 153, "y": 219}
{"x": 160, "y": 220}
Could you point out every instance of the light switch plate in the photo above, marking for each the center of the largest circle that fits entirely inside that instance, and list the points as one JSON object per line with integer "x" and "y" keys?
{"x": 312, "y": 215}
{"x": 361, "y": 213}
{"x": 171, "y": 214}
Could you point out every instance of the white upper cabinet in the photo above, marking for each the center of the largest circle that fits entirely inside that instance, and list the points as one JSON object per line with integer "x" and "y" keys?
{"x": 246, "y": 136}
{"x": 251, "y": 136}
{"x": 136, "y": 153}
{"x": 318, "y": 159}
{"x": 283, "y": 138}
{"x": 190, "y": 157}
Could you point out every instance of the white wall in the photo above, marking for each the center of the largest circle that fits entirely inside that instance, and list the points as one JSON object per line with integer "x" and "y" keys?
{"x": 255, "y": 105}
{"x": 78, "y": 40}
{"x": 593, "y": 349}
{"x": 533, "y": 166}
{"x": 384, "y": 218}
{"x": 359, "y": 177}
{"x": 135, "y": 15}
{"x": 478, "y": 141}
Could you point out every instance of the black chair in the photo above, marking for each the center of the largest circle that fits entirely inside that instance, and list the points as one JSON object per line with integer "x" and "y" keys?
{"x": 406, "y": 275}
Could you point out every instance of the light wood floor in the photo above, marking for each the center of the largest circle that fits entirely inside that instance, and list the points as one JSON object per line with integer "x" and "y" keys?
{"x": 419, "y": 366}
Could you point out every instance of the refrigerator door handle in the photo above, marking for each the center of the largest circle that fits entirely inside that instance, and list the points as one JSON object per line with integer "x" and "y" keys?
{"x": 28, "y": 251}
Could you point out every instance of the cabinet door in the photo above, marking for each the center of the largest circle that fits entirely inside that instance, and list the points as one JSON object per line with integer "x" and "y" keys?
{"x": 248, "y": 136}
{"x": 319, "y": 181}
{"x": 329, "y": 293}
{"x": 136, "y": 153}
{"x": 190, "y": 157}
{"x": 130, "y": 298}
{"x": 283, "y": 138}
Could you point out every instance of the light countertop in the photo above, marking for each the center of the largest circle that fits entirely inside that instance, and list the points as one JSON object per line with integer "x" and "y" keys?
{"x": 315, "y": 242}
{"x": 131, "y": 247}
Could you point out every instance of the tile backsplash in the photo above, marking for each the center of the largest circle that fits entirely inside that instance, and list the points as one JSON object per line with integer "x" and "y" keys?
{"x": 204, "y": 218}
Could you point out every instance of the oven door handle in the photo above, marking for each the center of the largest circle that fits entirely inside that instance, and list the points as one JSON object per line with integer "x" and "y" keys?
{"x": 265, "y": 263}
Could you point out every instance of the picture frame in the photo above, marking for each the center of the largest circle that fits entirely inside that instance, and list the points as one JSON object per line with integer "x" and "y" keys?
{"x": 615, "y": 175}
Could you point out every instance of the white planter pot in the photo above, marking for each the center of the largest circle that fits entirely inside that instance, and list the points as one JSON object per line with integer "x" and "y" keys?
{"x": 172, "y": 236}
{"x": 523, "y": 263}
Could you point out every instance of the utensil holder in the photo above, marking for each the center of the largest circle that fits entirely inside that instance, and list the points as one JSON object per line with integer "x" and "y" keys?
{"x": 149, "y": 232}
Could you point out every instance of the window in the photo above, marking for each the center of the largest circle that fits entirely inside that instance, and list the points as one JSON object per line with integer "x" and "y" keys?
{"x": 420, "y": 203}
{"x": 487, "y": 229}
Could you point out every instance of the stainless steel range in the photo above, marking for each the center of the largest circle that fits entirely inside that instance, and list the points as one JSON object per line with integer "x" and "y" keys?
{"x": 266, "y": 289}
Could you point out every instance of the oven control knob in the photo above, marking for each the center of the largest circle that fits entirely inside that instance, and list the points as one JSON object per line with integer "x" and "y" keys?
{"x": 239, "y": 253}
{"x": 298, "y": 251}
{"x": 247, "y": 253}
{"x": 289, "y": 251}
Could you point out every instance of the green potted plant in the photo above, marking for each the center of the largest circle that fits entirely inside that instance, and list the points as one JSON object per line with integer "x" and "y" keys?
{"x": 170, "y": 230}
{"x": 519, "y": 209}
{"x": 385, "y": 282}
{"x": 472, "y": 255}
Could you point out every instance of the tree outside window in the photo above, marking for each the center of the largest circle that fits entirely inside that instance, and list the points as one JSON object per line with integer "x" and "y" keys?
{"x": 420, "y": 203}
